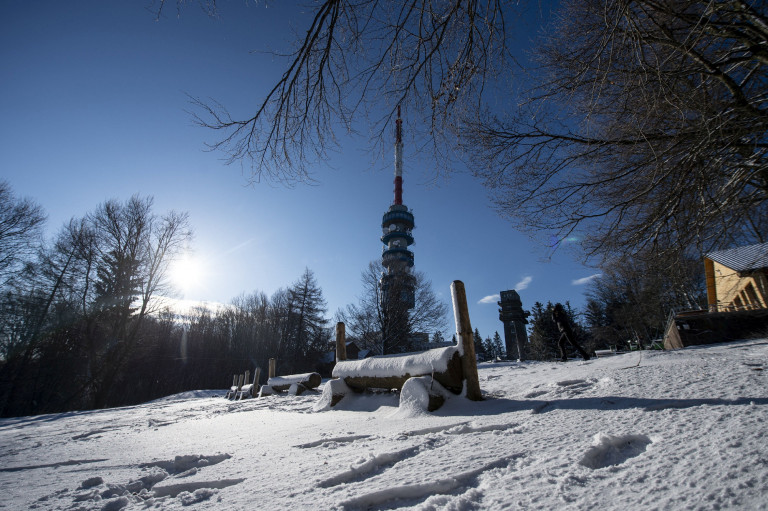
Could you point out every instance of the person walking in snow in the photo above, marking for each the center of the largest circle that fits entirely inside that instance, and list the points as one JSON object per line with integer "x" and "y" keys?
{"x": 566, "y": 333}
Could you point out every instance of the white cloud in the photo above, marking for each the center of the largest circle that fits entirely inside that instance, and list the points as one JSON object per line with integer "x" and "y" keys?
{"x": 585, "y": 280}
{"x": 523, "y": 284}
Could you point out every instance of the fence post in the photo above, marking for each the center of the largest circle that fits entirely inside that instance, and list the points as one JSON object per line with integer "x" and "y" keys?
{"x": 464, "y": 333}
{"x": 341, "y": 342}
{"x": 272, "y": 367}
{"x": 256, "y": 376}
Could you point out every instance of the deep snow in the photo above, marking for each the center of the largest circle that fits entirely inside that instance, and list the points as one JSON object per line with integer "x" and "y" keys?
{"x": 644, "y": 430}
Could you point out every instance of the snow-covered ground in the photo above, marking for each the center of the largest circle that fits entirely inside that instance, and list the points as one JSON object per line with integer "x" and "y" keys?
{"x": 645, "y": 430}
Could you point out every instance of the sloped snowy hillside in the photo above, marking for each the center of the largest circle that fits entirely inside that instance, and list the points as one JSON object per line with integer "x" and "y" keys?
{"x": 644, "y": 430}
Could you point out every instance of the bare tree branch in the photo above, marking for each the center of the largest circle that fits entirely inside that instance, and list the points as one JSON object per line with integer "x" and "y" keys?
{"x": 648, "y": 130}
{"x": 355, "y": 57}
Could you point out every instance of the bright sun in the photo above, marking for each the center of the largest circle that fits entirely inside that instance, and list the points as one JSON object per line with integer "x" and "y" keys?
{"x": 186, "y": 273}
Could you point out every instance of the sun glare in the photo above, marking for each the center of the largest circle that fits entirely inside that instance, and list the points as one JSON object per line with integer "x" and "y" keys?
{"x": 186, "y": 273}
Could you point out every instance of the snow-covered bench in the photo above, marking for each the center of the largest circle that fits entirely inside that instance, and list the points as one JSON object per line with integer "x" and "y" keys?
{"x": 441, "y": 367}
{"x": 391, "y": 372}
{"x": 428, "y": 376}
{"x": 241, "y": 389}
{"x": 295, "y": 384}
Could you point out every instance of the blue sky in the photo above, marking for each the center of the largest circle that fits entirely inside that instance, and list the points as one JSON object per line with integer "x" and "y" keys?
{"x": 94, "y": 106}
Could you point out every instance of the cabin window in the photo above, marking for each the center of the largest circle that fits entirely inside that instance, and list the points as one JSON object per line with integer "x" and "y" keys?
{"x": 752, "y": 295}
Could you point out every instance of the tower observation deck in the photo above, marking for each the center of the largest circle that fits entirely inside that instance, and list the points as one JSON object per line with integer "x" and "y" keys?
{"x": 397, "y": 283}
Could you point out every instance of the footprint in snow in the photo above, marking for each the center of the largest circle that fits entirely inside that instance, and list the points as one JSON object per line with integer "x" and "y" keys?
{"x": 409, "y": 494}
{"x": 610, "y": 450}
{"x": 89, "y": 434}
{"x": 194, "y": 491}
{"x": 326, "y": 442}
{"x": 181, "y": 464}
{"x": 572, "y": 387}
{"x": 370, "y": 467}
{"x": 158, "y": 480}
{"x": 571, "y": 383}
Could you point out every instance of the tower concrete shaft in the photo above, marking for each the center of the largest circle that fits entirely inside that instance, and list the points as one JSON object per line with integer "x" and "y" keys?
{"x": 397, "y": 284}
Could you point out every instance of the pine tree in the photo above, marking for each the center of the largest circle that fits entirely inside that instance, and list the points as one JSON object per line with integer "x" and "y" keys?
{"x": 498, "y": 345}
{"x": 490, "y": 351}
{"x": 583, "y": 336}
{"x": 479, "y": 347}
{"x": 117, "y": 288}
{"x": 543, "y": 333}
{"x": 305, "y": 334}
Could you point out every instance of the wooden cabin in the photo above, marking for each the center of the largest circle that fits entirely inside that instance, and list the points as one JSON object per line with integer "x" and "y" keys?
{"x": 737, "y": 295}
{"x": 737, "y": 278}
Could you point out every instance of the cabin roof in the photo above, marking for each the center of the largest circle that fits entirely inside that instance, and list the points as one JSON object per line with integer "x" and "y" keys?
{"x": 751, "y": 257}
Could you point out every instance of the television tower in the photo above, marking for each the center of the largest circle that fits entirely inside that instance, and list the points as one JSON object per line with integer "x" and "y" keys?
{"x": 397, "y": 284}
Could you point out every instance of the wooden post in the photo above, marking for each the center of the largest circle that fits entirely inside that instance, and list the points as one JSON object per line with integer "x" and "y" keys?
{"x": 234, "y": 381}
{"x": 247, "y": 378}
{"x": 466, "y": 340}
{"x": 341, "y": 342}
{"x": 240, "y": 382}
{"x": 272, "y": 367}
{"x": 255, "y": 386}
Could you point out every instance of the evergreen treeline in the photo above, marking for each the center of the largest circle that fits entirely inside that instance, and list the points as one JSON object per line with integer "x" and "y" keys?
{"x": 209, "y": 346}
{"x": 83, "y": 325}
{"x": 628, "y": 305}
{"x": 543, "y": 333}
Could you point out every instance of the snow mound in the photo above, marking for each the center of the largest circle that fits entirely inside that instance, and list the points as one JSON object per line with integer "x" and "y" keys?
{"x": 187, "y": 499}
{"x": 416, "y": 394}
{"x": 331, "y": 388}
{"x": 115, "y": 504}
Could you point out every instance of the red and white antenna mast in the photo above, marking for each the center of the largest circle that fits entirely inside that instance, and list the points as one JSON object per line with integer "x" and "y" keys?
{"x": 398, "y": 159}
{"x": 397, "y": 284}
